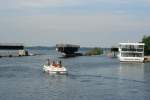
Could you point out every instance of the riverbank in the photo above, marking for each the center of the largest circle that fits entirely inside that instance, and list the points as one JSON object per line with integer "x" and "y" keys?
{"x": 146, "y": 58}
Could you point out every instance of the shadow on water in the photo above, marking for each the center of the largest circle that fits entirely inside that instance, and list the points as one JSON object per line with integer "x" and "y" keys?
{"x": 131, "y": 70}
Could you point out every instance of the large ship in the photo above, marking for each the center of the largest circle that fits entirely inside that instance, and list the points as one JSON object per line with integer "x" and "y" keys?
{"x": 131, "y": 52}
{"x": 68, "y": 50}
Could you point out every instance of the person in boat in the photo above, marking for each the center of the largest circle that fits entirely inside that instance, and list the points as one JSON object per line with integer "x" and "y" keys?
{"x": 48, "y": 62}
{"x": 60, "y": 64}
{"x": 54, "y": 64}
{"x": 57, "y": 64}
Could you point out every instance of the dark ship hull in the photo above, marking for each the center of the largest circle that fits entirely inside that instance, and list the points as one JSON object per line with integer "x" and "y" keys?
{"x": 10, "y": 47}
{"x": 68, "y": 50}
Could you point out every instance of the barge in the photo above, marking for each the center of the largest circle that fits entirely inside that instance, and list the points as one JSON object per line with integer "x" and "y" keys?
{"x": 68, "y": 50}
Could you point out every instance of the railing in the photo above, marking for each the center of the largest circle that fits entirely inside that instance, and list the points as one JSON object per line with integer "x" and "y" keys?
{"x": 136, "y": 50}
{"x": 132, "y": 55}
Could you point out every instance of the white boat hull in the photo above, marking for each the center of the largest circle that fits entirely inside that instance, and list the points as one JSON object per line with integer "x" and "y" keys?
{"x": 54, "y": 70}
{"x": 131, "y": 59}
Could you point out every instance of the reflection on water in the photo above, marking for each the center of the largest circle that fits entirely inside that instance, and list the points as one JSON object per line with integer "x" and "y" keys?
{"x": 132, "y": 71}
{"x": 147, "y": 72}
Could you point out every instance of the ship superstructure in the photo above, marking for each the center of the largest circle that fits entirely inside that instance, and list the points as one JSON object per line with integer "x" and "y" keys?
{"x": 131, "y": 52}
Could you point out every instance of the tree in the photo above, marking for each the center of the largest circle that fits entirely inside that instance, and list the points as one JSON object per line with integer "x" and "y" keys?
{"x": 95, "y": 51}
{"x": 146, "y": 40}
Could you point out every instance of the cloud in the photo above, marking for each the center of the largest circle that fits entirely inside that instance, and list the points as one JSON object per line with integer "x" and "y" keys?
{"x": 105, "y": 22}
{"x": 31, "y": 7}
{"x": 51, "y": 21}
{"x": 42, "y": 3}
{"x": 53, "y": 29}
{"x": 45, "y": 3}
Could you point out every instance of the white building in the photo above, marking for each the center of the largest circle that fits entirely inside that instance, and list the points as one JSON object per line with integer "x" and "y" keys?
{"x": 131, "y": 52}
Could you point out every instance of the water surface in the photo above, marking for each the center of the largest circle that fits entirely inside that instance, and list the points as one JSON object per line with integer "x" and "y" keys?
{"x": 89, "y": 78}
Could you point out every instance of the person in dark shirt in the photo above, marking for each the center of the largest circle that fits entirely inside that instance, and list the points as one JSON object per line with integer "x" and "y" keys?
{"x": 48, "y": 62}
{"x": 60, "y": 64}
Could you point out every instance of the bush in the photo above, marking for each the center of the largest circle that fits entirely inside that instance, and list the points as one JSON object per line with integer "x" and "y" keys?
{"x": 95, "y": 51}
{"x": 146, "y": 40}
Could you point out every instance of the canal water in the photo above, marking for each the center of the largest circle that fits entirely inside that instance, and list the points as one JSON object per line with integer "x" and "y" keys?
{"x": 89, "y": 78}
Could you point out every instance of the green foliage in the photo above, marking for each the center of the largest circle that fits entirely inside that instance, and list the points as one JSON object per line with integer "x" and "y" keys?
{"x": 146, "y": 40}
{"x": 95, "y": 51}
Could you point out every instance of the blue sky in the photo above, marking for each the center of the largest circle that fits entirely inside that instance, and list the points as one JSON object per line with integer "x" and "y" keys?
{"x": 102, "y": 23}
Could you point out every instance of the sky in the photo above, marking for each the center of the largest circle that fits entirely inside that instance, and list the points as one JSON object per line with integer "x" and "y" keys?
{"x": 89, "y": 23}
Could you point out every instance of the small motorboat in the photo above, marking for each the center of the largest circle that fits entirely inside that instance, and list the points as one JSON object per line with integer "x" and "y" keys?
{"x": 54, "y": 68}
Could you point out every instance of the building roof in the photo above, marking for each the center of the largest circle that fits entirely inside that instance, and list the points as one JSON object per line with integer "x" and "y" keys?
{"x": 67, "y": 45}
{"x": 131, "y": 43}
{"x": 11, "y": 44}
